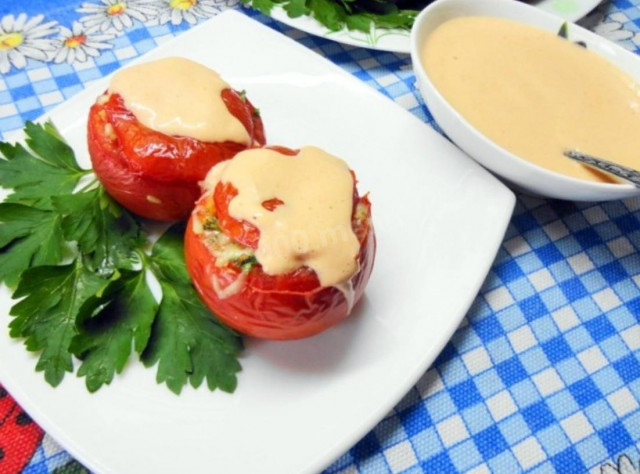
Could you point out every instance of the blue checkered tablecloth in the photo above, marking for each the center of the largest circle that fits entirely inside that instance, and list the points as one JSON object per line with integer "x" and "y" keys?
{"x": 542, "y": 376}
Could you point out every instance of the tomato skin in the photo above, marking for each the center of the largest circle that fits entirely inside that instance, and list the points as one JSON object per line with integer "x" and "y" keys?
{"x": 152, "y": 174}
{"x": 289, "y": 306}
{"x": 240, "y": 231}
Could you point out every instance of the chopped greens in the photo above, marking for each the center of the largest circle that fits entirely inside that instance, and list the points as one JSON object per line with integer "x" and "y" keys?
{"x": 563, "y": 32}
{"x": 358, "y": 15}
{"x": 211, "y": 223}
{"x": 226, "y": 250}
{"x": 81, "y": 266}
{"x": 247, "y": 263}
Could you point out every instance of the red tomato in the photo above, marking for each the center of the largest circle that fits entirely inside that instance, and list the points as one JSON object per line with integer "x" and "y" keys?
{"x": 153, "y": 174}
{"x": 288, "y": 306}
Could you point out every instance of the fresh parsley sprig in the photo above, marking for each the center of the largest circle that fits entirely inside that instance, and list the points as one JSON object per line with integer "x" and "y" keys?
{"x": 81, "y": 264}
{"x": 358, "y": 15}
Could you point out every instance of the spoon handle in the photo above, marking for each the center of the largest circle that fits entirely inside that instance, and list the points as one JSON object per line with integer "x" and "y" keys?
{"x": 628, "y": 174}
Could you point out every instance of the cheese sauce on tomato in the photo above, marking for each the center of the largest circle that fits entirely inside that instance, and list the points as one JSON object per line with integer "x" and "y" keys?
{"x": 536, "y": 94}
{"x": 179, "y": 97}
{"x": 312, "y": 225}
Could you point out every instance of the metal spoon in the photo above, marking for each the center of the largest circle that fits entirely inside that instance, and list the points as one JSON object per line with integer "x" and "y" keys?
{"x": 628, "y": 174}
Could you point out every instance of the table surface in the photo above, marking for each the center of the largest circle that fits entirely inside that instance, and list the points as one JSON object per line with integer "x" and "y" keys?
{"x": 543, "y": 375}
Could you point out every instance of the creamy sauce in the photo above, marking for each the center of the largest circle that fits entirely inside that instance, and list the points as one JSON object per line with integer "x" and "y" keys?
{"x": 179, "y": 97}
{"x": 312, "y": 226}
{"x": 347, "y": 290}
{"x": 536, "y": 94}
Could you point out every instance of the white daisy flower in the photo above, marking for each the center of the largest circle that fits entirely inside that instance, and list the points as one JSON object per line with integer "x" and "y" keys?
{"x": 115, "y": 14}
{"x": 177, "y": 11}
{"x": 22, "y": 38}
{"x": 77, "y": 45}
{"x": 613, "y": 30}
{"x": 624, "y": 466}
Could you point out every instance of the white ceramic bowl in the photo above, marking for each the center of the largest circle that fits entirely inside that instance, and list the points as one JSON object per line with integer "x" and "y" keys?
{"x": 511, "y": 168}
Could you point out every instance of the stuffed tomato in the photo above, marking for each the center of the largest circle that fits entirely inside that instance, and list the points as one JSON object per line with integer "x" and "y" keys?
{"x": 281, "y": 245}
{"x": 158, "y": 130}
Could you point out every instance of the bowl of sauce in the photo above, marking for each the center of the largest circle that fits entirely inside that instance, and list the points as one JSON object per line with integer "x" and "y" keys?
{"x": 515, "y": 87}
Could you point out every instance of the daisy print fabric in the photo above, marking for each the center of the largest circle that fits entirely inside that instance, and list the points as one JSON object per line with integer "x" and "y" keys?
{"x": 116, "y": 15}
{"x": 23, "y": 38}
{"x": 78, "y": 43}
{"x": 191, "y": 11}
{"x": 79, "y": 31}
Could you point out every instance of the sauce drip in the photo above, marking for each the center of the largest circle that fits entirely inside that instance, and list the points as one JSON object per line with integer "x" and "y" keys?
{"x": 179, "y": 97}
{"x": 311, "y": 225}
{"x": 536, "y": 94}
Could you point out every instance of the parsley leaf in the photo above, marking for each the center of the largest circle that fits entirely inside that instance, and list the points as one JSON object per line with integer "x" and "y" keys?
{"x": 395, "y": 19}
{"x": 28, "y": 237}
{"x": 563, "y": 32}
{"x": 46, "y": 167}
{"x": 107, "y": 235}
{"x": 167, "y": 256}
{"x": 359, "y": 15}
{"x": 46, "y": 317}
{"x": 188, "y": 344}
{"x": 104, "y": 342}
{"x": 264, "y": 6}
{"x": 99, "y": 307}
{"x": 359, "y": 22}
{"x": 296, "y": 8}
{"x": 329, "y": 13}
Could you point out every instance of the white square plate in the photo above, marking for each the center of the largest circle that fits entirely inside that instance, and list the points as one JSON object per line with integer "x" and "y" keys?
{"x": 439, "y": 221}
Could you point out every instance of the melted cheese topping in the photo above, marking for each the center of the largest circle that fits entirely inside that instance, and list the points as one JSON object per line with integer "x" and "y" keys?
{"x": 179, "y": 97}
{"x": 312, "y": 226}
{"x": 347, "y": 290}
{"x": 536, "y": 94}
